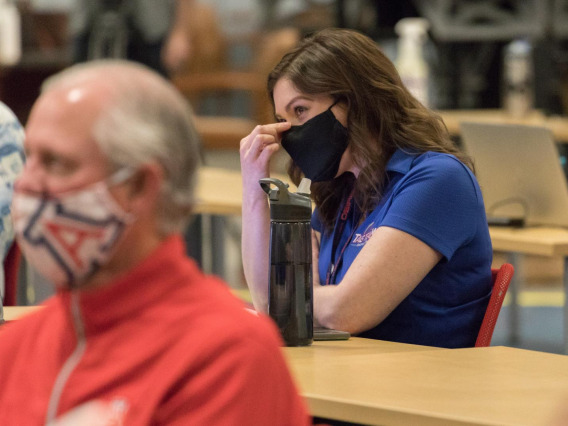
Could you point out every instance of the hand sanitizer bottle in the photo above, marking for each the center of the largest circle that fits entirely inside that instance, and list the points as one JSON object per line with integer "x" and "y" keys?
{"x": 410, "y": 62}
{"x": 10, "y": 33}
{"x": 518, "y": 96}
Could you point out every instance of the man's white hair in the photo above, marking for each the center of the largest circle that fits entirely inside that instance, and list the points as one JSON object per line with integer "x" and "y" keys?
{"x": 147, "y": 121}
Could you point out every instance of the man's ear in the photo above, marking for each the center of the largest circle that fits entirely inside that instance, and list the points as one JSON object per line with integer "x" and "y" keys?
{"x": 145, "y": 186}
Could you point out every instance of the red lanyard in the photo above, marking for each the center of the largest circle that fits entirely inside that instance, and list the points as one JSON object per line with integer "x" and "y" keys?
{"x": 334, "y": 264}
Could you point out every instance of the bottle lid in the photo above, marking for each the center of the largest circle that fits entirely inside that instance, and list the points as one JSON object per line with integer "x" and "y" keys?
{"x": 304, "y": 187}
{"x": 412, "y": 27}
{"x": 286, "y": 206}
{"x": 519, "y": 47}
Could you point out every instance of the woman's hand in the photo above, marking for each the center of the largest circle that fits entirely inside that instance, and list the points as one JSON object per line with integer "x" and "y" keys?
{"x": 256, "y": 150}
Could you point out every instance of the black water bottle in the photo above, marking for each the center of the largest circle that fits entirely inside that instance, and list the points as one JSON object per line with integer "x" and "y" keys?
{"x": 290, "y": 302}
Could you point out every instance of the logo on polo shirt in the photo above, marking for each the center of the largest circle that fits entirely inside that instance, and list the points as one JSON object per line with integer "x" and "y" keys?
{"x": 360, "y": 239}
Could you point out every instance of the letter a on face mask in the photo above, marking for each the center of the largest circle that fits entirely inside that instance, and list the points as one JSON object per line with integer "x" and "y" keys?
{"x": 67, "y": 238}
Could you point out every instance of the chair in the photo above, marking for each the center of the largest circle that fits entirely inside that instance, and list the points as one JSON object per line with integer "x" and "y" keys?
{"x": 221, "y": 83}
{"x": 501, "y": 280}
{"x": 11, "y": 270}
{"x": 210, "y": 82}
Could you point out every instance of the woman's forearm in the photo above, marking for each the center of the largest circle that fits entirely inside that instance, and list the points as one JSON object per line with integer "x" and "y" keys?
{"x": 255, "y": 248}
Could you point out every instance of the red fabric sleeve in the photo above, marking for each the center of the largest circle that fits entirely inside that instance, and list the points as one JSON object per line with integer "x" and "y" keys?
{"x": 246, "y": 384}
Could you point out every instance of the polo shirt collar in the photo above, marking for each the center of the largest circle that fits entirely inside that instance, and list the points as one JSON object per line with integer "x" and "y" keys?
{"x": 400, "y": 162}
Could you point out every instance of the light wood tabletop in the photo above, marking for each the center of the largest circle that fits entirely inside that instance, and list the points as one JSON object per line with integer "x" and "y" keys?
{"x": 12, "y": 313}
{"x": 323, "y": 351}
{"x": 400, "y": 384}
{"x": 557, "y": 125}
{"x": 386, "y": 383}
{"x": 542, "y": 241}
{"x": 219, "y": 191}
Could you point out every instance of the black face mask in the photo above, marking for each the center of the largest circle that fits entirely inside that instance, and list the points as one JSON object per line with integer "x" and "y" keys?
{"x": 317, "y": 146}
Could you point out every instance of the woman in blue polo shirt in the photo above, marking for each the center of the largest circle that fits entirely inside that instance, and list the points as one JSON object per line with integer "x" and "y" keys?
{"x": 401, "y": 246}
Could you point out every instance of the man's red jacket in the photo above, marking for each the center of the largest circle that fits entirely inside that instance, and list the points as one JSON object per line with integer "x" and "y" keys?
{"x": 162, "y": 345}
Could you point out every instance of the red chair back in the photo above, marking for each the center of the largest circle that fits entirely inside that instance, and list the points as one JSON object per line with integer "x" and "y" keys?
{"x": 501, "y": 280}
{"x": 11, "y": 270}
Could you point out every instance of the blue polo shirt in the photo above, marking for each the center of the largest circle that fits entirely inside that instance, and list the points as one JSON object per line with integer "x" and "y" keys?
{"x": 437, "y": 199}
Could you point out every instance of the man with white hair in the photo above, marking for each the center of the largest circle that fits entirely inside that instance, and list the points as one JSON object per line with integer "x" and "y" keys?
{"x": 135, "y": 334}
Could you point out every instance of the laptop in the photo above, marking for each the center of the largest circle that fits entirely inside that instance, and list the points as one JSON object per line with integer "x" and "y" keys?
{"x": 519, "y": 171}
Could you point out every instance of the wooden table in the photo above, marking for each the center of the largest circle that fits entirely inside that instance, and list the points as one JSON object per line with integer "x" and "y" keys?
{"x": 219, "y": 191}
{"x": 540, "y": 241}
{"x": 383, "y": 383}
{"x": 557, "y": 125}
{"x": 218, "y": 194}
{"x": 12, "y": 313}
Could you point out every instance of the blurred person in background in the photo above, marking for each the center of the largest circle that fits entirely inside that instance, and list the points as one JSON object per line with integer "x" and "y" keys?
{"x": 152, "y": 32}
{"x": 11, "y": 163}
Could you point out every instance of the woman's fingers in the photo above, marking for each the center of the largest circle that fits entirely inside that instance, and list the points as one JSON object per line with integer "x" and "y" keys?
{"x": 263, "y": 136}
{"x": 267, "y": 151}
{"x": 276, "y": 129}
{"x": 261, "y": 142}
{"x": 256, "y": 150}
{"x": 273, "y": 129}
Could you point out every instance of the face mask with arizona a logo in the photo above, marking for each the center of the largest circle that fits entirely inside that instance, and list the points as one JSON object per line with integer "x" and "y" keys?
{"x": 317, "y": 146}
{"x": 67, "y": 237}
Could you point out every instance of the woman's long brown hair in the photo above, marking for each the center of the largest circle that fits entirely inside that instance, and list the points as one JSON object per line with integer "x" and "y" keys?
{"x": 382, "y": 115}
